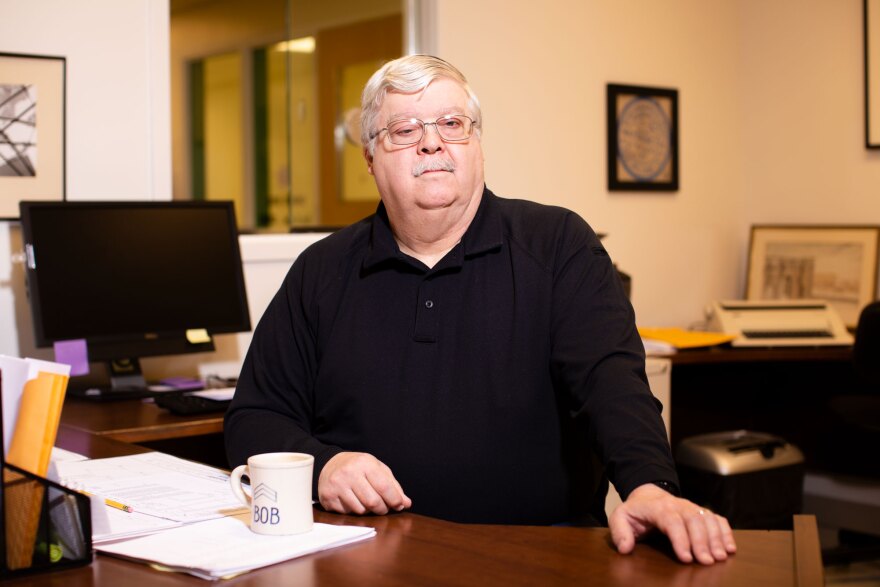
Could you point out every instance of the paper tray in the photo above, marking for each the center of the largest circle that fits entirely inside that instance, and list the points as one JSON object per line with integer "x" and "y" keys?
{"x": 46, "y": 526}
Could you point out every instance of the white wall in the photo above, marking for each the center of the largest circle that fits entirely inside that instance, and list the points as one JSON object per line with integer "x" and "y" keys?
{"x": 771, "y": 119}
{"x": 118, "y": 116}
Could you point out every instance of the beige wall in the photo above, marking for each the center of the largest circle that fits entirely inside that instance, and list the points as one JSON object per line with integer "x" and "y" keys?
{"x": 771, "y": 123}
{"x": 803, "y": 119}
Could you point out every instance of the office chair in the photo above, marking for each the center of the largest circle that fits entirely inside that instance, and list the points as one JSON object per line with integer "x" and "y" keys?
{"x": 849, "y": 498}
{"x": 854, "y": 443}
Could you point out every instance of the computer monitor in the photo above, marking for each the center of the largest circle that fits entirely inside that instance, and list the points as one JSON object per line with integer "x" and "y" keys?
{"x": 133, "y": 279}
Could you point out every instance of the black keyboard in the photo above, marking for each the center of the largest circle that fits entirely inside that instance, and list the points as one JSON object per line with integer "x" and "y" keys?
{"x": 787, "y": 334}
{"x": 184, "y": 404}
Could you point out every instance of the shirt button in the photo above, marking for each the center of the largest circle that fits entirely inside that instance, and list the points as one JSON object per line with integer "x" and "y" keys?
{"x": 429, "y": 304}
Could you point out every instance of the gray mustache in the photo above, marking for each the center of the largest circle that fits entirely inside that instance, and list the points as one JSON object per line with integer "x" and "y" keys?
{"x": 433, "y": 165}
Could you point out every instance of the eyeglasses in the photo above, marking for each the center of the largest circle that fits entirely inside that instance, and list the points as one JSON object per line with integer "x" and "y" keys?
{"x": 409, "y": 131}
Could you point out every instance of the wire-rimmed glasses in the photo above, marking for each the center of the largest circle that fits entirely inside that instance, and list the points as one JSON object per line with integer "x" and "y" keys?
{"x": 409, "y": 131}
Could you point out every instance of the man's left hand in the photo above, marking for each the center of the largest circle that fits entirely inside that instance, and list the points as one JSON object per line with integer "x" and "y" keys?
{"x": 695, "y": 532}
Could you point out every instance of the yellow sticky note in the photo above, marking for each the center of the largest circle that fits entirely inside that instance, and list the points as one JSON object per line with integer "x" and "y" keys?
{"x": 197, "y": 336}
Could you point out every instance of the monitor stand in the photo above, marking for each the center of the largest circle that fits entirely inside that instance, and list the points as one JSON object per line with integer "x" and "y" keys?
{"x": 126, "y": 375}
{"x": 126, "y": 382}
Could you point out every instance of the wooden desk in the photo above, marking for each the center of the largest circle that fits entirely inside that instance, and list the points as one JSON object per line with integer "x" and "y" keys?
{"x": 136, "y": 421}
{"x": 415, "y": 550}
{"x": 196, "y": 437}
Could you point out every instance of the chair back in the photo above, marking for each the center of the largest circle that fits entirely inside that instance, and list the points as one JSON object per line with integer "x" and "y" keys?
{"x": 866, "y": 349}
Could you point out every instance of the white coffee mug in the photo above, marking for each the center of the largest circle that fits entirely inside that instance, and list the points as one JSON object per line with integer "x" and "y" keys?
{"x": 281, "y": 492}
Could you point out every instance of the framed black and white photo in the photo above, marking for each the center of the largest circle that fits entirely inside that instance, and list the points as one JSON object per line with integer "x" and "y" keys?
{"x": 642, "y": 138}
{"x": 32, "y": 130}
{"x": 872, "y": 73}
{"x": 837, "y": 264}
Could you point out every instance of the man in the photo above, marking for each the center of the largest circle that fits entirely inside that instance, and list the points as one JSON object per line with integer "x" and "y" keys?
{"x": 458, "y": 353}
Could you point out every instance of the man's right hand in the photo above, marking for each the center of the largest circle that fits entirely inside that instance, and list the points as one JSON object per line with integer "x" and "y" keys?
{"x": 359, "y": 483}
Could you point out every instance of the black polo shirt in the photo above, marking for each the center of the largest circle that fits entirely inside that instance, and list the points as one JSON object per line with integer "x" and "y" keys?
{"x": 484, "y": 383}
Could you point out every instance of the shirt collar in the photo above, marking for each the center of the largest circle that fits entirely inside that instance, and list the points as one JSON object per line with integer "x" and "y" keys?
{"x": 485, "y": 232}
{"x": 483, "y": 235}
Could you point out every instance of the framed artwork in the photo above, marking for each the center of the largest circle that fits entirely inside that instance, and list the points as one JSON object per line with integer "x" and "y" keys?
{"x": 642, "y": 138}
{"x": 32, "y": 131}
{"x": 833, "y": 263}
{"x": 872, "y": 73}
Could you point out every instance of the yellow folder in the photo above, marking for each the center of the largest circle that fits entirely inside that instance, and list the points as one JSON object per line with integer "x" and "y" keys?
{"x": 30, "y": 448}
{"x": 685, "y": 339}
{"x": 36, "y": 427}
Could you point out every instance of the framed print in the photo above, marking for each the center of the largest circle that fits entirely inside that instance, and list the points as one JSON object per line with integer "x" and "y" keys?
{"x": 834, "y": 263}
{"x": 642, "y": 138}
{"x": 872, "y": 73}
{"x": 32, "y": 135}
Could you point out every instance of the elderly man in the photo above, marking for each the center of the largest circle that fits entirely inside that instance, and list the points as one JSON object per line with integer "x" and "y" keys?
{"x": 461, "y": 354}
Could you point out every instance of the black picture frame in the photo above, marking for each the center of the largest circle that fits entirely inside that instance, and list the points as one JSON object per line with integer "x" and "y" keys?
{"x": 837, "y": 263}
{"x": 642, "y": 138}
{"x": 871, "y": 9}
{"x": 32, "y": 130}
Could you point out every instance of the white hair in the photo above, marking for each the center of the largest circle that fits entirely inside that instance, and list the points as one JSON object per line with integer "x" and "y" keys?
{"x": 407, "y": 75}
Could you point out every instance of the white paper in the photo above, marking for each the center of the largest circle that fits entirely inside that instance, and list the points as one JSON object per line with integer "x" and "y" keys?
{"x": 60, "y": 454}
{"x": 38, "y": 365}
{"x": 15, "y": 375}
{"x": 156, "y": 484}
{"x": 654, "y": 347}
{"x": 219, "y": 394}
{"x": 108, "y": 523}
{"x": 226, "y": 547}
{"x": 127, "y": 525}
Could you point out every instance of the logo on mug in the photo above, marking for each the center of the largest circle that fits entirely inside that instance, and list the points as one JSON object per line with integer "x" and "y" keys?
{"x": 264, "y": 515}
{"x": 263, "y": 490}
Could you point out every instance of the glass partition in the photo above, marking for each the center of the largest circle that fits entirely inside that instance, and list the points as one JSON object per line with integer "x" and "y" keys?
{"x": 265, "y": 99}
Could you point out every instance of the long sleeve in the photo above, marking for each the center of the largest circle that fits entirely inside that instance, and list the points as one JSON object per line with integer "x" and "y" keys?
{"x": 273, "y": 405}
{"x": 598, "y": 358}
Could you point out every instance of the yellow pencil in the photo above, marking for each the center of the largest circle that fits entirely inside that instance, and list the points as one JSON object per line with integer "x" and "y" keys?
{"x": 113, "y": 504}
{"x": 118, "y": 506}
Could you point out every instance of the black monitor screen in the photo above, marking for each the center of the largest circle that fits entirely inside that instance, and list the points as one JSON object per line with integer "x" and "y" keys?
{"x": 133, "y": 277}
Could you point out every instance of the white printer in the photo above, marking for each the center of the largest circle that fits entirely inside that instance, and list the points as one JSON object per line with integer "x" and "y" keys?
{"x": 760, "y": 323}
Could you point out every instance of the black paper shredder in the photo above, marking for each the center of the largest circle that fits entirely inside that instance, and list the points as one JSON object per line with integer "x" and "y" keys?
{"x": 754, "y": 479}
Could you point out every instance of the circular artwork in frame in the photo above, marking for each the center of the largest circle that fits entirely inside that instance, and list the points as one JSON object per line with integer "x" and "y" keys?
{"x": 642, "y": 138}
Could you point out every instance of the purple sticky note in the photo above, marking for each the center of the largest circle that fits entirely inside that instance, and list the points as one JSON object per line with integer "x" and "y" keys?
{"x": 74, "y": 353}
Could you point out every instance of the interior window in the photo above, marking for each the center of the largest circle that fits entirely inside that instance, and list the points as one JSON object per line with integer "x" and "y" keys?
{"x": 265, "y": 98}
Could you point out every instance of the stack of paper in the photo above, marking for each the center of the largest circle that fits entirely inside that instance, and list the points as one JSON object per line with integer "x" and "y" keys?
{"x": 225, "y": 547}
{"x": 154, "y": 484}
{"x": 108, "y": 522}
{"x": 119, "y": 525}
{"x": 184, "y": 517}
